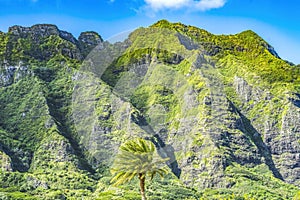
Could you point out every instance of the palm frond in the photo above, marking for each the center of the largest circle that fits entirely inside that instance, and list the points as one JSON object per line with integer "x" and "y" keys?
{"x": 135, "y": 158}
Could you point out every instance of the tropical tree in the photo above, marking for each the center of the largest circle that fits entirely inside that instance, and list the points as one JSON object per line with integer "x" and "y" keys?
{"x": 137, "y": 157}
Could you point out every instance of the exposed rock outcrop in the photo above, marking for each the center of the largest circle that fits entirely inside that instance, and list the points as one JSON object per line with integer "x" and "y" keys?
{"x": 5, "y": 162}
{"x": 88, "y": 41}
{"x": 222, "y": 118}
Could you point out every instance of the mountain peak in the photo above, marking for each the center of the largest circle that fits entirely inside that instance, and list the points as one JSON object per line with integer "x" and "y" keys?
{"x": 40, "y": 29}
{"x": 221, "y": 109}
{"x": 43, "y": 41}
{"x": 251, "y": 35}
{"x": 161, "y": 23}
{"x": 89, "y": 40}
{"x": 240, "y": 41}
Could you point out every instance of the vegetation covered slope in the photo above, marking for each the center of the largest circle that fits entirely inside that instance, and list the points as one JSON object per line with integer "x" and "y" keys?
{"x": 222, "y": 109}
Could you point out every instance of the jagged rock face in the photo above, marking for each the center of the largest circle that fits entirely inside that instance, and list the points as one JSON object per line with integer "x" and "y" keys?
{"x": 12, "y": 74}
{"x": 44, "y": 41}
{"x": 285, "y": 146}
{"x": 199, "y": 98}
{"x": 245, "y": 91}
{"x": 280, "y": 136}
{"x": 88, "y": 41}
{"x": 40, "y": 31}
{"x": 5, "y": 162}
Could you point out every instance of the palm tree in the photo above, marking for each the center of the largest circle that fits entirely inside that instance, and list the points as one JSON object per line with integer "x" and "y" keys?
{"x": 137, "y": 158}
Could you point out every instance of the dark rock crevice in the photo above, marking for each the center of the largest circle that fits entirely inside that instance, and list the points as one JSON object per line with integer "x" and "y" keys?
{"x": 63, "y": 123}
{"x": 255, "y": 136}
{"x": 296, "y": 100}
{"x": 16, "y": 158}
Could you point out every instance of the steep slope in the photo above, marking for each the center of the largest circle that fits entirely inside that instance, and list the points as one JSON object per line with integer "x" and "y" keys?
{"x": 44, "y": 155}
{"x": 35, "y": 95}
{"x": 224, "y": 110}
{"x": 254, "y": 80}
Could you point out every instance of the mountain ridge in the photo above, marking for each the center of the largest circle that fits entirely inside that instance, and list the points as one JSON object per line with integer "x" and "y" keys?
{"x": 219, "y": 107}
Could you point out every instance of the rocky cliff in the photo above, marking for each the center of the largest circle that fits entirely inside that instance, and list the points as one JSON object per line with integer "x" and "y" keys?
{"x": 223, "y": 108}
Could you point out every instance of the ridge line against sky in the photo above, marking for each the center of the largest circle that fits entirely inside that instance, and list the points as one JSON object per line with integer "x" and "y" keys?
{"x": 277, "y": 21}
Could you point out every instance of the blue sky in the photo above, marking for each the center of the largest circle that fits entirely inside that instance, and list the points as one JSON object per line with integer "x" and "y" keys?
{"x": 277, "y": 21}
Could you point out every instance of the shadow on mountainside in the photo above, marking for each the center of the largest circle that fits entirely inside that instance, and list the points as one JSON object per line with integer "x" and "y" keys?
{"x": 255, "y": 136}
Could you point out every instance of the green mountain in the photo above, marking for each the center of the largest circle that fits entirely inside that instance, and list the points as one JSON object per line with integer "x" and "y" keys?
{"x": 224, "y": 110}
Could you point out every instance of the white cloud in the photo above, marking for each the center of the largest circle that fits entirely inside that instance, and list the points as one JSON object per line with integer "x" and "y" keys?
{"x": 209, "y": 4}
{"x": 202, "y": 5}
{"x": 161, "y": 4}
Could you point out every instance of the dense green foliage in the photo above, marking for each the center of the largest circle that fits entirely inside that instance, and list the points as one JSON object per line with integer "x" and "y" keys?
{"x": 190, "y": 78}
{"x": 246, "y": 48}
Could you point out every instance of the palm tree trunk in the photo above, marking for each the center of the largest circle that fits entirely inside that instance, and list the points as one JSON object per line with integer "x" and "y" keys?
{"x": 142, "y": 178}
